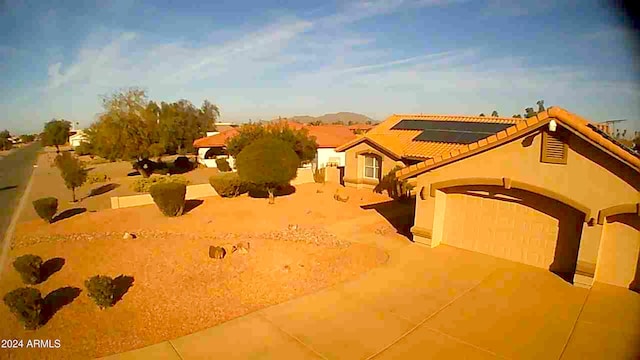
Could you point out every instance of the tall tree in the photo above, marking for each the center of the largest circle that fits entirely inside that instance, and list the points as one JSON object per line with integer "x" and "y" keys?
{"x": 5, "y": 144}
{"x": 72, "y": 171}
{"x": 56, "y": 133}
{"x": 126, "y": 129}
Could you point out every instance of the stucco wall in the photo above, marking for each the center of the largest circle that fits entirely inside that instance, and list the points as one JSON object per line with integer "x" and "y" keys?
{"x": 324, "y": 155}
{"x": 590, "y": 178}
{"x": 354, "y": 165}
{"x": 618, "y": 260}
{"x": 211, "y": 163}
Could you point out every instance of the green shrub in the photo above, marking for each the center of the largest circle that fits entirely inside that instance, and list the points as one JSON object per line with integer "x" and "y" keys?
{"x": 268, "y": 163}
{"x": 145, "y": 184}
{"x": 319, "y": 176}
{"x": 182, "y": 165}
{"x": 83, "y": 149}
{"x": 169, "y": 198}
{"x": 223, "y": 165}
{"x": 102, "y": 290}
{"x": 26, "y": 304}
{"x": 228, "y": 184}
{"x": 94, "y": 178}
{"x": 28, "y": 266}
{"x": 46, "y": 208}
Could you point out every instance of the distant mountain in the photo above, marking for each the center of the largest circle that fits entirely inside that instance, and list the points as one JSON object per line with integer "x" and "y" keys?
{"x": 345, "y": 117}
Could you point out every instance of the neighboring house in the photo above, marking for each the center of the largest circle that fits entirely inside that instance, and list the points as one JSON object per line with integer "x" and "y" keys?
{"x": 401, "y": 140}
{"x": 554, "y": 192}
{"x": 328, "y": 138}
{"x": 77, "y": 137}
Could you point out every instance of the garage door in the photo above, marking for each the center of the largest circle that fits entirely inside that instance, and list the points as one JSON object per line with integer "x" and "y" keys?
{"x": 510, "y": 224}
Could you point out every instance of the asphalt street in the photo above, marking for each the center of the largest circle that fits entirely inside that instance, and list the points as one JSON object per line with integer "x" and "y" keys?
{"x": 15, "y": 171}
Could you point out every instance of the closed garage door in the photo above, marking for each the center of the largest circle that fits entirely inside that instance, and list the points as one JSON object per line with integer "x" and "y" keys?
{"x": 513, "y": 224}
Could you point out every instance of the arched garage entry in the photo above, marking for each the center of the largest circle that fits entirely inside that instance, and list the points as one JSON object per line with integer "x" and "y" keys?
{"x": 514, "y": 224}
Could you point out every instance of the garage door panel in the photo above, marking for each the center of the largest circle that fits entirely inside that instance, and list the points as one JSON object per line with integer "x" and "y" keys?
{"x": 501, "y": 228}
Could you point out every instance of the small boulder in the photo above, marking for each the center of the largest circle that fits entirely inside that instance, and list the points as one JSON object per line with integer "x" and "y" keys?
{"x": 340, "y": 195}
{"x": 242, "y": 251}
{"x": 216, "y": 252}
{"x": 293, "y": 227}
{"x": 127, "y": 236}
{"x": 229, "y": 248}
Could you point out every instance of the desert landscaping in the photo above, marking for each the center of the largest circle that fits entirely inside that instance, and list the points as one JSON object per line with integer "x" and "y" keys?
{"x": 168, "y": 284}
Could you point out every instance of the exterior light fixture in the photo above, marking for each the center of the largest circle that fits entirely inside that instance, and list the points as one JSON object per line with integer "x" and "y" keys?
{"x": 553, "y": 125}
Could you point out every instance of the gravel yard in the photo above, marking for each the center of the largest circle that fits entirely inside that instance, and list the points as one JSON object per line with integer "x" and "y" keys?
{"x": 177, "y": 289}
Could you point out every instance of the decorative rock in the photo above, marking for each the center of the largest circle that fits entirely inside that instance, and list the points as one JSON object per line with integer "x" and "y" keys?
{"x": 216, "y": 252}
{"x": 230, "y": 249}
{"x": 340, "y": 196}
{"x": 293, "y": 227}
{"x": 243, "y": 245}
{"x": 242, "y": 251}
{"x": 129, "y": 236}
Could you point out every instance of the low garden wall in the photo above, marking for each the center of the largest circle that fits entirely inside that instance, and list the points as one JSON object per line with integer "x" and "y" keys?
{"x": 193, "y": 192}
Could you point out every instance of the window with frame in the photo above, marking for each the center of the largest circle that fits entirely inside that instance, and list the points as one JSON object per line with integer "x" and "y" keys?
{"x": 372, "y": 166}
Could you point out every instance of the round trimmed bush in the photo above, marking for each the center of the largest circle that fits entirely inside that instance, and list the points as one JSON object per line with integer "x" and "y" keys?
{"x": 29, "y": 268}
{"x": 26, "y": 304}
{"x": 227, "y": 184}
{"x": 169, "y": 197}
{"x": 101, "y": 289}
{"x": 223, "y": 165}
{"x": 46, "y": 208}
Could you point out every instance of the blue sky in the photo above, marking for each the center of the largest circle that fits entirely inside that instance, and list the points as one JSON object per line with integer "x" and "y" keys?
{"x": 268, "y": 58}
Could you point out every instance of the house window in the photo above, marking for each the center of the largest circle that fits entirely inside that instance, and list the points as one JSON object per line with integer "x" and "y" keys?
{"x": 372, "y": 166}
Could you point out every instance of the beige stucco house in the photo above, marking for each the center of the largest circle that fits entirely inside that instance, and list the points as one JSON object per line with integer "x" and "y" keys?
{"x": 553, "y": 191}
{"x": 396, "y": 142}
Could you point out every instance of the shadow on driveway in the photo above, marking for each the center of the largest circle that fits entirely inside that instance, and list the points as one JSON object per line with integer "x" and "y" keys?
{"x": 68, "y": 213}
{"x": 400, "y": 214}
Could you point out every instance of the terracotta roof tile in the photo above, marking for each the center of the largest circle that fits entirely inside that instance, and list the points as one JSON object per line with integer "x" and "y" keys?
{"x": 217, "y": 140}
{"x": 532, "y": 120}
{"x": 455, "y": 152}
{"x": 501, "y": 135}
{"x": 331, "y": 136}
{"x": 573, "y": 121}
{"x": 492, "y": 139}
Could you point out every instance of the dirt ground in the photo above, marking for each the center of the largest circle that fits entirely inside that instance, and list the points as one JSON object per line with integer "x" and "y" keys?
{"x": 47, "y": 182}
{"x": 297, "y": 247}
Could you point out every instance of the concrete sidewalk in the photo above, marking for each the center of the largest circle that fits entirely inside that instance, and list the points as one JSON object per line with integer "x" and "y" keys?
{"x": 430, "y": 303}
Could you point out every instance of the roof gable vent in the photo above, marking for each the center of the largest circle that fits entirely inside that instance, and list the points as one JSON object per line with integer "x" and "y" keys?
{"x": 554, "y": 149}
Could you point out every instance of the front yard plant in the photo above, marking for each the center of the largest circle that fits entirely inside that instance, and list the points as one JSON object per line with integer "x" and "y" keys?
{"x": 268, "y": 163}
{"x": 169, "y": 197}
{"x": 223, "y": 165}
{"x": 26, "y": 304}
{"x": 102, "y": 290}
{"x": 29, "y": 267}
{"x": 227, "y": 184}
{"x": 396, "y": 189}
{"x": 145, "y": 184}
{"x": 319, "y": 176}
{"x": 72, "y": 171}
{"x": 46, "y": 208}
{"x": 94, "y": 178}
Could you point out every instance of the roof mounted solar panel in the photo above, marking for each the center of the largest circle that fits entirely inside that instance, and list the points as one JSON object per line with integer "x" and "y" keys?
{"x": 461, "y": 132}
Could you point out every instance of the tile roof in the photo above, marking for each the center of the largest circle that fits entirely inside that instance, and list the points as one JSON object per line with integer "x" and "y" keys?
{"x": 331, "y": 136}
{"x": 401, "y": 143}
{"x": 327, "y": 136}
{"x": 566, "y": 118}
{"x": 215, "y": 140}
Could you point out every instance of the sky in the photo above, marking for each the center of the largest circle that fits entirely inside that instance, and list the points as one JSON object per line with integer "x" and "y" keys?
{"x": 262, "y": 59}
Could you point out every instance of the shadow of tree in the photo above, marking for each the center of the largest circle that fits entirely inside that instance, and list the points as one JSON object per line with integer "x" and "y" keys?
{"x": 55, "y": 300}
{"x": 68, "y": 213}
{"x": 122, "y": 284}
{"x": 134, "y": 173}
{"x": 8, "y": 187}
{"x": 103, "y": 189}
{"x": 192, "y": 204}
{"x": 400, "y": 214}
{"x": 259, "y": 193}
{"x": 50, "y": 267}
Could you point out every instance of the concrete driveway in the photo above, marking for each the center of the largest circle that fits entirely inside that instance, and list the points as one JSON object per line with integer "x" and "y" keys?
{"x": 430, "y": 303}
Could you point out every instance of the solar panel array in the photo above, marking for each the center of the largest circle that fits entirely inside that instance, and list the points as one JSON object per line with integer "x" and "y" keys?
{"x": 461, "y": 132}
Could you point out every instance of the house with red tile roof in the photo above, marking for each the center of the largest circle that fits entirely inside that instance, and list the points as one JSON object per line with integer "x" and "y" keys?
{"x": 400, "y": 141}
{"x": 328, "y": 138}
{"x": 553, "y": 191}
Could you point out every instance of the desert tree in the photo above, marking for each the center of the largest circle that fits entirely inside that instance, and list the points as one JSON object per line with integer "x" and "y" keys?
{"x": 72, "y": 171}
{"x": 481, "y": 115}
{"x": 5, "y": 143}
{"x": 267, "y": 163}
{"x": 56, "y": 133}
{"x": 494, "y": 113}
